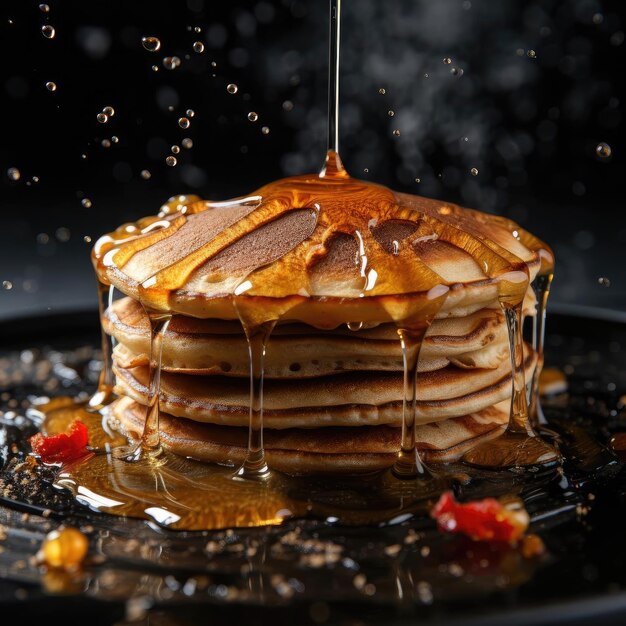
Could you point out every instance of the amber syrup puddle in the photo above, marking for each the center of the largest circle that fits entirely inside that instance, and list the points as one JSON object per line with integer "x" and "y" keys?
{"x": 141, "y": 479}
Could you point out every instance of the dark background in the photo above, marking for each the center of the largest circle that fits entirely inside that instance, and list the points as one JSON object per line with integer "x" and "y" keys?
{"x": 529, "y": 125}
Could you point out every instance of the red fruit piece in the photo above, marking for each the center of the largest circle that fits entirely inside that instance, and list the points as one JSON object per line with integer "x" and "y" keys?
{"x": 62, "y": 447}
{"x": 482, "y": 520}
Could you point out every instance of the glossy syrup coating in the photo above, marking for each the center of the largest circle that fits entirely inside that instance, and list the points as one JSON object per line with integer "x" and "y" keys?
{"x": 324, "y": 249}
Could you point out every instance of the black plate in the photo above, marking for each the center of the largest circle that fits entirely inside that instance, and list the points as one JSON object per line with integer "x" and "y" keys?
{"x": 260, "y": 577}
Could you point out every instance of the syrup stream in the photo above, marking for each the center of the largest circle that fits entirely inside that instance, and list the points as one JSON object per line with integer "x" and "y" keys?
{"x": 541, "y": 287}
{"x": 104, "y": 394}
{"x": 408, "y": 463}
{"x": 150, "y": 444}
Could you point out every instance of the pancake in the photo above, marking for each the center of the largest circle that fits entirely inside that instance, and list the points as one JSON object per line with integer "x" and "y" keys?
{"x": 323, "y": 250}
{"x": 352, "y": 399}
{"x": 327, "y": 450}
{"x": 195, "y": 346}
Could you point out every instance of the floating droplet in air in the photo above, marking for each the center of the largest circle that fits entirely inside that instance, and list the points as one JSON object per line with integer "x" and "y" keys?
{"x": 253, "y": 116}
{"x": 187, "y": 143}
{"x": 265, "y": 130}
{"x": 604, "y": 282}
{"x": 232, "y": 88}
{"x": 151, "y": 44}
{"x": 105, "y": 143}
{"x": 184, "y": 122}
{"x": 447, "y": 60}
{"x": 603, "y": 150}
{"x": 175, "y": 149}
{"x": 115, "y": 139}
{"x": 418, "y": 180}
{"x": 110, "y": 111}
{"x": 171, "y": 161}
{"x": 382, "y": 91}
{"x": 103, "y": 118}
{"x": 396, "y": 133}
{"x": 48, "y": 31}
{"x": 86, "y": 202}
{"x": 145, "y": 174}
{"x": 7, "y": 284}
{"x": 87, "y": 239}
{"x": 190, "y": 112}
{"x": 50, "y": 86}
{"x": 474, "y": 171}
{"x": 13, "y": 173}
{"x": 44, "y": 8}
{"x": 171, "y": 63}
{"x": 531, "y": 54}
{"x": 198, "y": 47}
{"x": 391, "y": 113}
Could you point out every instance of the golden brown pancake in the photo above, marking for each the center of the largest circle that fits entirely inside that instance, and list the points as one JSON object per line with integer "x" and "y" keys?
{"x": 194, "y": 346}
{"x": 352, "y": 399}
{"x": 326, "y": 450}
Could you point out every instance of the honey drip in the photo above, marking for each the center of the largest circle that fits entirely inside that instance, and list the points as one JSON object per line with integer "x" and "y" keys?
{"x": 150, "y": 443}
{"x": 104, "y": 394}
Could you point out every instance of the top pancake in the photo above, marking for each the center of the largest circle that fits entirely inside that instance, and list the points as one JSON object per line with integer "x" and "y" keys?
{"x": 323, "y": 250}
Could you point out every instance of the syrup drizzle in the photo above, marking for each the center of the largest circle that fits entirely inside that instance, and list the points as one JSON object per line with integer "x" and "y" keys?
{"x": 150, "y": 443}
{"x": 104, "y": 394}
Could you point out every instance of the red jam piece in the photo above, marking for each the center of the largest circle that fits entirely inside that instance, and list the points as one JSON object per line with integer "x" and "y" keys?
{"x": 481, "y": 520}
{"x": 63, "y": 447}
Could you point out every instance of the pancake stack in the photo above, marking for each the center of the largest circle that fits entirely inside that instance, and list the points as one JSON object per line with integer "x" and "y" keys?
{"x": 336, "y": 266}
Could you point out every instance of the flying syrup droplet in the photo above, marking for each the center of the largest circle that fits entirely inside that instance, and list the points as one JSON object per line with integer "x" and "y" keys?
{"x": 175, "y": 149}
{"x": 184, "y": 122}
{"x": 103, "y": 118}
{"x": 531, "y": 54}
{"x": 603, "y": 150}
{"x": 190, "y": 112}
{"x": 447, "y": 60}
{"x": 145, "y": 174}
{"x": 187, "y": 143}
{"x": 396, "y": 133}
{"x": 382, "y": 91}
{"x": 50, "y": 86}
{"x": 151, "y": 44}
{"x": 474, "y": 171}
{"x": 110, "y": 111}
{"x": 171, "y": 63}
{"x": 253, "y": 116}
{"x": 86, "y": 202}
{"x": 391, "y": 113}
{"x": 171, "y": 161}
{"x": 48, "y": 31}
{"x": 198, "y": 47}
{"x": 604, "y": 282}
{"x": 7, "y": 284}
{"x": 232, "y": 88}
{"x": 13, "y": 173}
{"x": 44, "y": 8}
{"x": 265, "y": 130}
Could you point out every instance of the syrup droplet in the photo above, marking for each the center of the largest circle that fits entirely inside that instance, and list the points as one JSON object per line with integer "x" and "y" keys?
{"x": 110, "y": 111}
{"x": 13, "y": 173}
{"x": 265, "y": 130}
{"x": 391, "y": 113}
{"x": 105, "y": 143}
{"x": 87, "y": 239}
{"x": 48, "y": 31}
{"x": 418, "y": 180}
{"x": 232, "y": 88}
{"x": 103, "y": 118}
{"x": 531, "y": 54}
{"x": 151, "y": 44}
{"x": 474, "y": 171}
{"x": 171, "y": 63}
{"x": 187, "y": 143}
{"x": 604, "y": 282}
{"x": 603, "y": 150}
{"x": 7, "y": 284}
{"x": 190, "y": 112}
{"x": 382, "y": 91}
{"x": 171, "y": 161}
{"x": 447, "y": 60}
{"x": 198, "y": 47}
{"x": 396, "y": 132}
{"x": 175, "y": 149}
{"x": 64, "y": 548}
{"x": 253, "y": 116}
{"x": 50, "y": 86}
{"x": 366, "y": 170}
{"x": 86, "y": 202}
{"x": 44, "y": 8}
{"x": 456, "y": 71}
{"x": 145, "y": 174}
{"x": 197, "y": 29}
{"x": 184, "y": 122}
{"x": 115, "y": 139}
{"x": 155, "y": 68}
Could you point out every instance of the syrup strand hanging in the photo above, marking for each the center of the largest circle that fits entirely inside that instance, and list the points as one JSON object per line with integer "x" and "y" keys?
{"x": 541, "y": 286}
{"x": 255, "y": 465}
{"x": 106, "y": 381}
